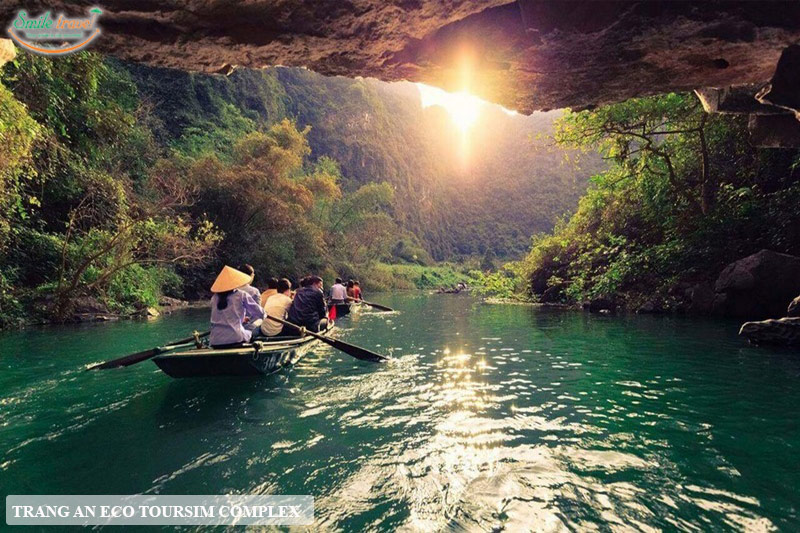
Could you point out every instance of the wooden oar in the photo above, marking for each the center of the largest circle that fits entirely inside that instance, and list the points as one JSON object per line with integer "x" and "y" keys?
{"x": 376, "y": 306}
{"x": 349, "y": 349}
{"x": 138, "y": 357}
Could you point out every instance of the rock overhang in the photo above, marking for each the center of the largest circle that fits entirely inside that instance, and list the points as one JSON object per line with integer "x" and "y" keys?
{"x": 527, "y": 55}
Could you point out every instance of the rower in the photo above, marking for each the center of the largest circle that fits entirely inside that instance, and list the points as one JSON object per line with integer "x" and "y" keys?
{"x": 338, "y": 292}
{"x": 234, "y": 313}
{"x": 308, "y": 308}
{"x": 339, "y": 298}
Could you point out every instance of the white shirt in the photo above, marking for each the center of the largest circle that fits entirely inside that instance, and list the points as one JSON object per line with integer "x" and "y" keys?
{"x": 277, "y": 306}
{"x": 338, "y": 292}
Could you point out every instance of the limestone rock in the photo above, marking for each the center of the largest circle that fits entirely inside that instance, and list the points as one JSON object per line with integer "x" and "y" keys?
{"x": 167, "y": 301}
{"x": 649, "y": 307}
{"x": 598, "y": 305}
{"x": 774, "y": 131}
{"x": 88, "y": 305}
{"x": 782, "y": 332}
{"x": 525, "y": 55}
{"x": 758, "y": 286}
{"x": 701, "y": 298}
{"x": 784, "y": 88}
{"x": 736, "y": 100}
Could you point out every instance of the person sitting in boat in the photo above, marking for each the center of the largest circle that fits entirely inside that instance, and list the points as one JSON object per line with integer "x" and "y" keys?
{"x": 231, "y": 308}
{"x": 338, "y": 293}
{"x": 357, "y": 291}
{"x": 251, "y": 325}
{"x": 278, "y": 306}
{"x": 308, "y": 307}
{"x": 249, "y": 289}
{"x": 272, "y": 288}
{"x": 350, "y": 292}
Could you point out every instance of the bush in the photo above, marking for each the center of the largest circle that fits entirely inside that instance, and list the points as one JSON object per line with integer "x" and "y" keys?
{"x": 36, "y": 256}
{"x": 507, "y": 282}
{"x": 382, "y": 277}
{"x": 138, "y": 287}
{"x": 11, "y": 310}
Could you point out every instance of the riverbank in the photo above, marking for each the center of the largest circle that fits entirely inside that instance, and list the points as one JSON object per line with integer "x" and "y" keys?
{"x": 376, "y": 277}
{"x": 383, "y": 276}
{"x": 165, "y": 306}
{"x": 650, "y": 237}
{"x": 762, "y": 285}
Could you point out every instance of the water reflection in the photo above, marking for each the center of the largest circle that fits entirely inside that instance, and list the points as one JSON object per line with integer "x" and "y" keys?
{"x": 490, "y": 417}
{"x": 482, "y": 441}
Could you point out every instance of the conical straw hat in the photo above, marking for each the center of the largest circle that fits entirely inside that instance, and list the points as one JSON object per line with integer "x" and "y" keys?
{"x": 230, "y": 279}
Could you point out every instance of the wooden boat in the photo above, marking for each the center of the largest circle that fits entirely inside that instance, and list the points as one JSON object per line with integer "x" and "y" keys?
{"x": 347, "y": 308}
{"x": 257, "y": 358}
{"x": 342, "y": 309}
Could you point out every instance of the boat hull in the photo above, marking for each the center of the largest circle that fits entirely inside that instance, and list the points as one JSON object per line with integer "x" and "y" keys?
{"x": 342, "y": 310}
{"x": 257, "y": 359}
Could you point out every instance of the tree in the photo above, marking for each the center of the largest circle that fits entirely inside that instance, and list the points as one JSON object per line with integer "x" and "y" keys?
{"x": 149, "y": 228}
{"x": 659, "y": 136}
{"x": 80, "y": 187}
{"x": 18, "y": 132}
{"x": 684, "y": 195}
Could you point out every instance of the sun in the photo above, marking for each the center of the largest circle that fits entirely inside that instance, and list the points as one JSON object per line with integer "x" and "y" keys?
{"x": 462, "y": 107}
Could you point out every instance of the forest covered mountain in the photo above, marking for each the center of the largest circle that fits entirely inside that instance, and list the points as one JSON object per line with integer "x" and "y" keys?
{"x": 513, "y": 182}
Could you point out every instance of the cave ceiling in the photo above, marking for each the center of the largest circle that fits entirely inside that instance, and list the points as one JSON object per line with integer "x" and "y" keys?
{"x": 527, "y": 55}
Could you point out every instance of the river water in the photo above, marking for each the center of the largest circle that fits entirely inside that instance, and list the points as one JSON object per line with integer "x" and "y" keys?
{"x": 490, "y": 417}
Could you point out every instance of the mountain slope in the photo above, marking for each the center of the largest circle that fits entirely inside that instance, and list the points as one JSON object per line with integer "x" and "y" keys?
{"x": 490, "y": 195}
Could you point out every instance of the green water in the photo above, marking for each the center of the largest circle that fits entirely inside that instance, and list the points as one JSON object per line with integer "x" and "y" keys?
{"x": 491, "y": 416}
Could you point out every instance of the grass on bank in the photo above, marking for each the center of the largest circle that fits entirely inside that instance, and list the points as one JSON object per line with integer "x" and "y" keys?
{"x": 382, "y": 276}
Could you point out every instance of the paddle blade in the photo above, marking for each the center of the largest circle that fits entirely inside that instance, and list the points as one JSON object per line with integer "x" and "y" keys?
{"x": 138, "y": 357}
{"x": 128, "y": 360}
{"x": 377, "y": 306}
{"x": 354, "y": 351}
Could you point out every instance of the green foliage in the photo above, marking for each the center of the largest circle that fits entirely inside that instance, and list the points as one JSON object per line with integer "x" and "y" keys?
{"x": 140, "y": 287}
{"x": 17, "y": 134}
{"x": 117, "y": 180}
{"x": 686, "y": 194}
{"x": 409, "y": 250}
{"x": 87, "y": 207}
{"x": 378, "y": 133}
{"x": 215, "y": 138}
{"x": 381, "y": 276}
{"x": 11, "y": 309}
{"x": 507, "y": 282}
{"x": 487, "y": 263}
